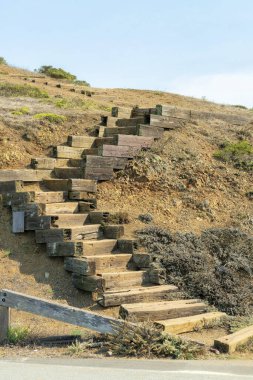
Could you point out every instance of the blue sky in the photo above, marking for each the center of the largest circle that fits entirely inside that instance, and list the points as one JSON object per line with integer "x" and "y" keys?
{"x": 195, "y": 47}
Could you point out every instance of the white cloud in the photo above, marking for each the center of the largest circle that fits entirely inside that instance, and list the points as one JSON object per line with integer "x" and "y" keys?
{"x": 233, "y": 88}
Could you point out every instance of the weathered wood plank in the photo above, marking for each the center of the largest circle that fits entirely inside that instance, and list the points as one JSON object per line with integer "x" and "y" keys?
{"x": 162, "y": 310}
{"x": 85, "y": 142}
{"x": 113, "y": 131}
{"x": 149, "y": 131}
{"x": 82, "y": 185}
{"x": 166, "y": 122}
{"x": 137, "y": 112}
{"x": 59, "y": 312}
{"x": 104, "y": 140}
{"x": 68, "y": 172}
{"x": 69, "y": 220}
{"x": 82, "y": 248}
{"x": 4, "y": 323}
{"x": 180, "y": 113}
{"x": 56, "y": 184}
{"x": 49, "y": 196}
{"x": 110, "y": 151}
{"x": 80, "y": 195}
{"x": 131, "y": 122}
{"x": 55, "y": 235}
{"x": 229, "y": 343}
{"x": 126, "y": 279}
{"x": 98, "y": 174}
{"x": 139, "y": 294}
{"x": 134, "y": 141}
{"x": 62, "y": 151}
{"x": 18, "y": 222}
{"x": 43, "y": 163}
{"x": 25, "y": 175}
{"x": 191, "y": 323}
{"x": 88, "y": 283}
{"x": 37, "y": 223}
{"x": 59, "y": 208}
{"x": 11, "y": 186}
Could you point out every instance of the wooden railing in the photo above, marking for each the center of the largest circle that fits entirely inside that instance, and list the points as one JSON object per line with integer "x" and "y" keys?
{"x": 53, "y": 310}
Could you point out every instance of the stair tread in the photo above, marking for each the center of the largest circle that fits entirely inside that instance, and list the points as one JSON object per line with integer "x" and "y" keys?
{"x": 196, "y": 317}
{"x": 141, "y": 289}
{"x": 150, "y": 306}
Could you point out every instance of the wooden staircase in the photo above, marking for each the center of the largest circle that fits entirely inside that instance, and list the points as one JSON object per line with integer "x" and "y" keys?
{"x": 62, "y": 212}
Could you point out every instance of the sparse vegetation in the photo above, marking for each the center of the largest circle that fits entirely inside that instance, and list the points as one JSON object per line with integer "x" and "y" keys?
{"x": 21, "y": 111}
{"x": 145, "y": 218}
{"x": 9, "y": 89}
{"x": 17, "y": 335}
{"x": 82, "y": 83}
{"x": 240, "y": 106}
{"x": 240, "y": 154}
{"x": 145, "y": 340}
{"x": 51, "y": 117}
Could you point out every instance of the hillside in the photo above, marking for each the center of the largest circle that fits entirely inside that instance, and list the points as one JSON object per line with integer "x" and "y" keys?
{"x": 178, "y": 181}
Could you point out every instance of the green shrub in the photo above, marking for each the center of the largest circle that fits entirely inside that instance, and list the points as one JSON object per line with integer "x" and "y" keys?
{"x": 240, "y": 106}
{"x": 57, "y": 73}
{"x": 82, "y": 83}
{"x": 51, "y": 117}
{"x": 21, "y": 111}
{"x": 17, "y": 335}
{"x": 9, "y": 89}
{"x": 2, "y": 61}
{"x": 240, "y": 154}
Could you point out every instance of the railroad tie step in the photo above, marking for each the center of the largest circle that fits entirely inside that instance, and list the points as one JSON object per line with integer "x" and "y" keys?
{"x": 162, "y": 310}
{"x": 123, "y": 279}
{"x": 68, "y": 172}
{"x": 146, "y": 293}
{"x": 59, "y": 208}
{"x": 92, "y": 231}
{"x": 82, "y": 248}
{"x": 91, "y": 265}
{"x": 190, "y": 323}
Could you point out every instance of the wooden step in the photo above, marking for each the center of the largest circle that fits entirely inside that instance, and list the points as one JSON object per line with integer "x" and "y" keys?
{"x": 137, "y": 112}
{"x": 88, "y": 283}
{"x": 82, "y": 248}
{"x": 107, "y": 151}
{"x": 187, "y": 324}
{"x": 25, "y": 175}
{"x": 56, "y": 184}
{"x": 43, "y": 163}
{"x": 98, "y": 174}
{"x": 11, "y": 186}
{"x": 131, "y": 122}
{"x": 69, "y": 220}
{"x": 85, "y": 142}
{"x": 33, "y": 223}
{"x": 59, "y": 208}
{"x": 230, "y": 343}
{"x": 173, "y": 111}
{"x": 87, "y": 185}
{"x": 166, "y": 123}
{"x": 104, "y": 140}
{"x": 89, "y": 231}
{"x": 50, "y": 196}
{"x": 139, "y": 294}
{"x": 91, "y": 265}
{"x": 113, "y": 131}
{"x": 162, "y": 310}
{"x": 123, "y": 279}
{"x": 62, "y": 151}
{"x": 68, "y": 172}
{"x": 149, "y": 131}
{"x": 134, "y": 141}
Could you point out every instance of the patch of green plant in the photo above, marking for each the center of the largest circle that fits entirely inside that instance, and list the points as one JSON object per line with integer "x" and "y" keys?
{"x": 6, "y": 253}
{"x": 51, "y": 117}
{"x": 10, "y": 89}
{"x": 82, "y": 83}
{"x": 146, "y": 340}
{"x": 240, "y": 154}
{"x": 3, "y": 61}
{"x": 17, "y": 335}
{"x": 21, "y": 111}
{"x": 57, "y": 73}
{"x": 240, "y": 106}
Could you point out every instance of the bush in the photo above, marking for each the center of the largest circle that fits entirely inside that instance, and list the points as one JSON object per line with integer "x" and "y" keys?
{"x": 240, "y": 106}
{"x": 82, "y": 83}
{"x": 56, "y": 73}
{"x": 21, "y": 111}
{"x": 51, "y": 117}
{"x": 240, "y": 154}
{"x": 145, "y": 340}
{"x": 216, "y": 266}
{"x": 145, "y": 218}
{"x": 2, "y": 61}
{"x": 17, "y": 335}
{"x": 8, "y": 89}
